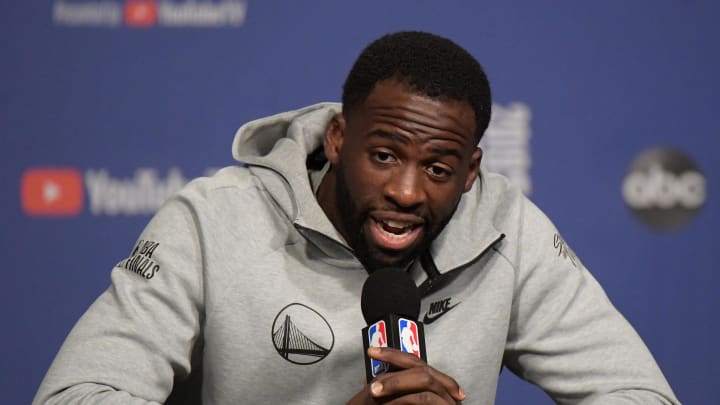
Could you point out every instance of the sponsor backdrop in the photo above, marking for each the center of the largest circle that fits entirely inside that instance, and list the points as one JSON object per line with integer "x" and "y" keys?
{"x": 605, "y": 115}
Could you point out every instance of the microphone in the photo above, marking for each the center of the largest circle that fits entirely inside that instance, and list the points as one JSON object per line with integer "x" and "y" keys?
{"x": 390, "y": 303}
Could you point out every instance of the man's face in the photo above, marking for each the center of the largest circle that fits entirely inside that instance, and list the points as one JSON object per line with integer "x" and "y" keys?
{"x": 400, "y": 164}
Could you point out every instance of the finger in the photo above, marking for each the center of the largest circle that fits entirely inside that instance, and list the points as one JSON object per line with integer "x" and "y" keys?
{"x": 395, "y": 357}
{"x": 420, "y": 398}
{"x": 412, "y": 380}
{"x": 364, "y": 397}
{"x": 449, "y": 383}
{"x": 405, "y": 361}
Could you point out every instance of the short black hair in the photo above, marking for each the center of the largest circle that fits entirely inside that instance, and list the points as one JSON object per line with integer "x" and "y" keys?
{"x": 431, "y": 65}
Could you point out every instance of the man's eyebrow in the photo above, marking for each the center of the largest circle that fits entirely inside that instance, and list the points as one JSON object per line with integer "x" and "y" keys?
{"x": 390, "y": 136}
{"x": 441, "y": 150}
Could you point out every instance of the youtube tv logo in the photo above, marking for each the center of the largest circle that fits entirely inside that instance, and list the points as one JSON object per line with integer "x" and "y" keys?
{"x": 140, "y": 13}
{"x": 54, "y": 192}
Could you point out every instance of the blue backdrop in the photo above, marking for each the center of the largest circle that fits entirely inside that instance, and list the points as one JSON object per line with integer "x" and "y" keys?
{"x": 132, "y": 98}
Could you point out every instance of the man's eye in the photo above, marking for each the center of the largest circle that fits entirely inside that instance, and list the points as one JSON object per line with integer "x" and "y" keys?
{"x": 383, "y": 157}
{"x": 439, "y": 172}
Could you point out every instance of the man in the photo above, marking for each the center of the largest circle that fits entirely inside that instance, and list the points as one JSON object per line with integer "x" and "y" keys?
{"x": 247, "y": 284}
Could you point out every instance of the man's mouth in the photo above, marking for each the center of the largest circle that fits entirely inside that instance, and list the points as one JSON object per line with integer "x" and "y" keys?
{"x": 394, "y": 234}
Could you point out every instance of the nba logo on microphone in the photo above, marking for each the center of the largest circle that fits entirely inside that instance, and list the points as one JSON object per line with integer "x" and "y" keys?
{"x": 377, "y": 336}
{"x": 409, "y": 337}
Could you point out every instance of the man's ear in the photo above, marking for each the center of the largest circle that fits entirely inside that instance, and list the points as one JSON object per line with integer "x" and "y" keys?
{"x": 334, "y": 136}
{"x": 474, "y": 168}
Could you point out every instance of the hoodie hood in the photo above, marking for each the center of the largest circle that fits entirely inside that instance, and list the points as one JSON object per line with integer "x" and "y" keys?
{"x": 256, "y": 140}
{"x": 275, "y": 149}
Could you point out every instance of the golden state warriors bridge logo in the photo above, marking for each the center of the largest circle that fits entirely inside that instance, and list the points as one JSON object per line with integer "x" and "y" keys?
{"x": 301, "y": 335}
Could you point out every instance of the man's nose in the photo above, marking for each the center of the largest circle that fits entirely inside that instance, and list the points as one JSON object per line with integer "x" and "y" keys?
{"x": 405, "y": 188}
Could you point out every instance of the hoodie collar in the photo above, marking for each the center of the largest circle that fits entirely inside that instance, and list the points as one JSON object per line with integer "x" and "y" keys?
{"x": 471, "y": 230}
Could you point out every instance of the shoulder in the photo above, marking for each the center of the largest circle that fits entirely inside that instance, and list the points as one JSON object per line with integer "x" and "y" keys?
{"x": 530, "y": 236}
{"x": 232, "y": 193}
{"x": 232, "y": 186}
{"x": 231, "y": 178}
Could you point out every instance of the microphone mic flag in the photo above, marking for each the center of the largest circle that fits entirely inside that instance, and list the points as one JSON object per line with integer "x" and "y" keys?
{"x": 390, "y": 303}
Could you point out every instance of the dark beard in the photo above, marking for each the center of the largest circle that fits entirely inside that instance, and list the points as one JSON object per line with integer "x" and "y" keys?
{"x": 352, "y": 220}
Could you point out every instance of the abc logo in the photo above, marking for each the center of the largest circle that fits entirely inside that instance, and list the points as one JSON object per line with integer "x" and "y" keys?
{"x": 664, "y": 188}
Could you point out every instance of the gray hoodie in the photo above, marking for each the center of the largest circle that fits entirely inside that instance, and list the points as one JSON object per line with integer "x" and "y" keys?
{"x": 241, "y": 290}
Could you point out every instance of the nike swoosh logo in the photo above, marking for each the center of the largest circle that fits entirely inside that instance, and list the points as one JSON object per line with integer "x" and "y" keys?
{"x": 430, "y": 319}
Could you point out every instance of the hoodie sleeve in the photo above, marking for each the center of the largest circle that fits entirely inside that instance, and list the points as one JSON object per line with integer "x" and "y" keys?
{"x": 566, "y": 336}
{"x": 138, "y": 337}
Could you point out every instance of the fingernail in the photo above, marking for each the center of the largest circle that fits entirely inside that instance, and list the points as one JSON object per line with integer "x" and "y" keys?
{"x": 462, "y": 394}
{"x": 376, "y": 388}
{"x": 373, "y": 351}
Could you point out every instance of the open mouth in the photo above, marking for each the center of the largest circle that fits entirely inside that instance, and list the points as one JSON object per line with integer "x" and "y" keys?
{"x": 394, "y": 234}
{"x": 396, "y": 228}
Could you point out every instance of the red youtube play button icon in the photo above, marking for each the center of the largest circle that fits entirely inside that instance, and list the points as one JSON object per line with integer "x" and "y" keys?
{"x": 52, "y": 192}
{"x": 140, "y": 13}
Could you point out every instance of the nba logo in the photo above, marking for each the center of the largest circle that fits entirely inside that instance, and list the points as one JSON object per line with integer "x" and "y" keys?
{"x": 377, "y": 337}
{"x": 409, "y": 338}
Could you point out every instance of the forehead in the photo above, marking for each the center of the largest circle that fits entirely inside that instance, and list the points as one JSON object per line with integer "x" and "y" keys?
{"x": 395, "y": 107}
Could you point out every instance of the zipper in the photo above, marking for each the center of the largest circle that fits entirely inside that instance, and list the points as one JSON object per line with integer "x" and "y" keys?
{"x": 436, "y": 280}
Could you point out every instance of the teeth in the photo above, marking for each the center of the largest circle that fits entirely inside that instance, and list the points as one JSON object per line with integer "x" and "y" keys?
{"x": 395, "y": 228}
{"x": 396, "y": 224}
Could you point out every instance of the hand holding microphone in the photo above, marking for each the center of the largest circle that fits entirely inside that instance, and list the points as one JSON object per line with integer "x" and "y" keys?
{"x": 394, "y": 341}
